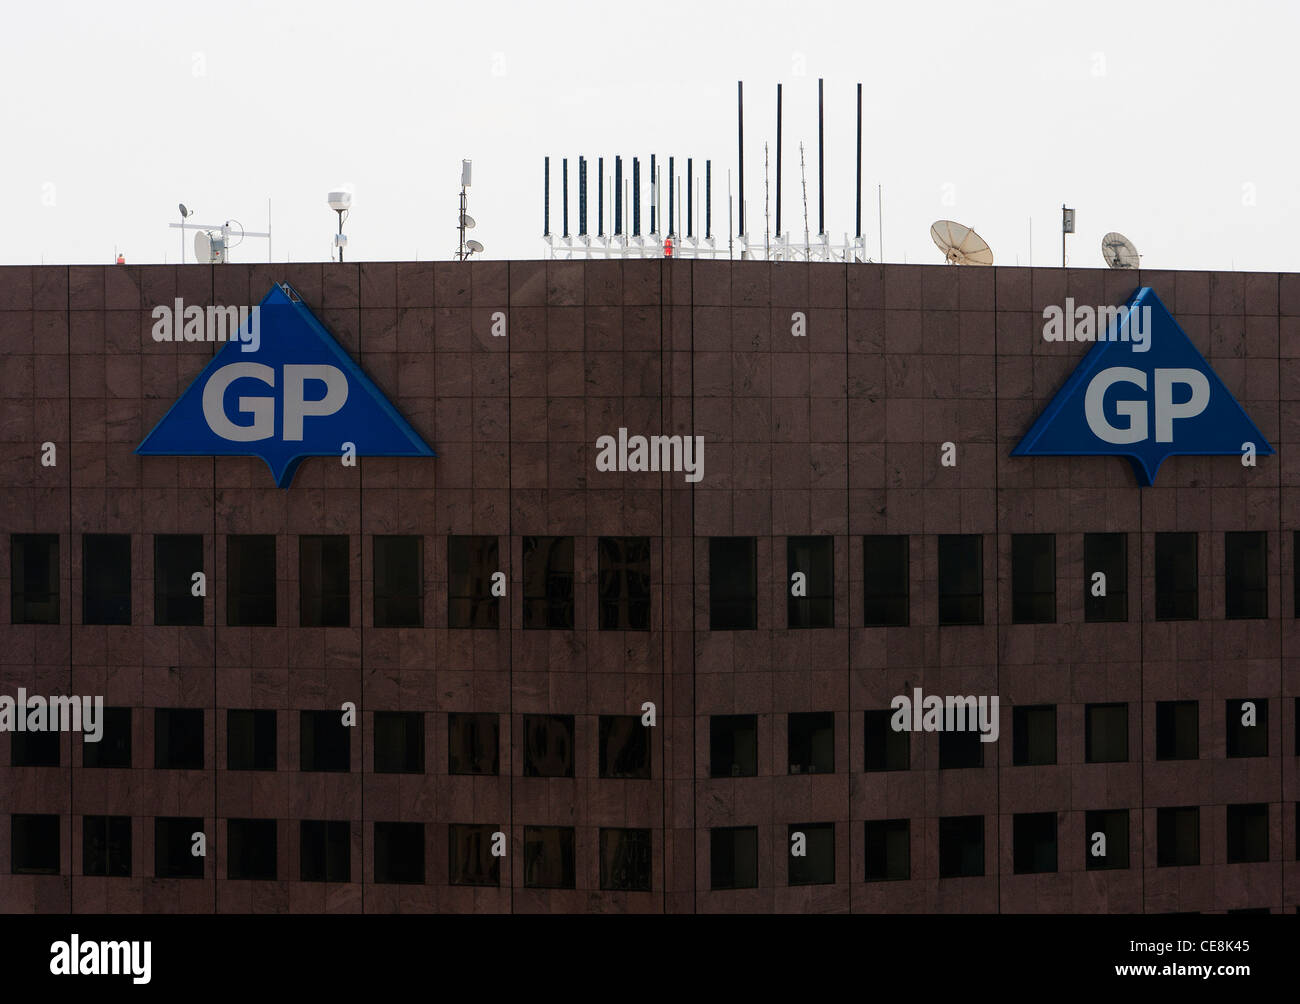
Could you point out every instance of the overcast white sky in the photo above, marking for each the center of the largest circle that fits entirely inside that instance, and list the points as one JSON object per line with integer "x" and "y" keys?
{"x": 1169, "y": 121}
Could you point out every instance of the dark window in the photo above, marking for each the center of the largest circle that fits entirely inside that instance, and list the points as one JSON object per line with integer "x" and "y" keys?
{"x": 399, "y": 581}
{"x": 1245, "y": 574}
{"x": 811, "y": 742}
{"x": 624, "y": 583}
{"x": 961, "y": 579}
{"x": 176, "y": 557}
{"x": 106, "y": 846}
{"x": 885, "y": 586}
{"x": 1034, "y": 842}
{"x": 548, "y": 857}
{"x": 1033, "y": 735}
{"x": 811, "y": 599}
{"x": 251, "y": 849}
{"x": 33, "y": 749}
{"x": 958, "y": 750}
{"x": 961, "y": 846}
{"x": 733, "y": 746}
{"x": 250, "y": 580}
{"x": 548, "y": 746}
{"x": 1110, "y": 849}
{"x": 625, "y": 860}
{"x": 250, "y": 739}
{"x": 471, "y": 861}
{"x": 323, "y": 581}
{"x": 1105, "y": 554}
{"x": 472, "y": 743}
{"x": 399, "y": 853}
{"x": 887, "y": 748}
{"x": 1296, "y": 721}
{"x": 325, "y": 850}
{"x": 325, "y": 742}
{"x": 1295, "y": 578}
{"x": 34, "y": 578}
{"x": 399, "y": 742}
{"x": 35, "y": 848}
{"x": 624, "y": 747}
{"x": 1245, "y": 738}
{"x": 889, "y": 856}
{"x": 1033, "y": 578}
{"x": 548, "y": 583}
{"x": 106, "y": 578}
{"x": 178, "y": 738}
{"x": 816, "y": 866}
{"x": 114, "y": 746}
{"x": 733, "y": 583}
{"x": 1105, "y": 737}
{"x": 173, "y": 847}
{"x": 1176, "y": 577}
{"x": 1177, "y": 730}
{"x": 1247, "y": 833}
{"x": 733, "y": 857}
{"x": 1178, "y": 836}
{"x": 471, "y": 563}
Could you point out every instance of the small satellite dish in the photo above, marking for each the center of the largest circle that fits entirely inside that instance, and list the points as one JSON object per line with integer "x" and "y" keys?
{"x": 960, "y": 245}
{"x": 474, "y": 246}
{"x": 1119, "y": 251}
{"x": 184, "y": 212}
{"x": 467, "y": 221}
{"x": 202, "y": 247}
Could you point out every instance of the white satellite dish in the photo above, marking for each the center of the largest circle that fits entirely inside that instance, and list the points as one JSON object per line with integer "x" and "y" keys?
{"x": 202, "y": 247}
{"x": 1119, "y": 251}
{"x": 960, "y": 245}
{"x": 474, "y": 246}
{"x": 467, "y": 221}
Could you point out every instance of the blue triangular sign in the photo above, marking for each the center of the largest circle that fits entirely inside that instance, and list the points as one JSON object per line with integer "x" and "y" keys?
{"x": 1144, "y": 392}
{"x": 281, "y": 389}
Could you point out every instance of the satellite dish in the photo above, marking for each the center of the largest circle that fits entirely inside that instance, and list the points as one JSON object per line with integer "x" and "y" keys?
{"x": 202, "y": 247}
{"x": 467, "y": 221}
{"x": 1119, "y": 251}
{"x": 960, "y": 245}
{"x": 184, "y": 212}
{"x": 474, "y": 246}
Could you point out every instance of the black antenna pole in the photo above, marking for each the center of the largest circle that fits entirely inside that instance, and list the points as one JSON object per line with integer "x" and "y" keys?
{"x": 778, "y": 161}
{"x": 654, "y": 195}
{"x": 740, "y": 130}
{"x": 821, "y": 164}
{"x": 546, "y": 196}
{"x": 618, "y": 195}
{"x": 582, "y": 196}
{"x": 670, "y": 196}
{"x": 636, "y": 197}
{"x": 565, "y": 174}
{"x": 708, "y": 199}
{"x": 690, "y": 205}
{"x": 600, "y": 196}
{"x": 858, "y": 229}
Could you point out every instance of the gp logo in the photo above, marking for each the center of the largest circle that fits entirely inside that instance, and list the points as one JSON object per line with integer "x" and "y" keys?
{"x": 1146, "y": 406}
{"x": 298, "y": 395}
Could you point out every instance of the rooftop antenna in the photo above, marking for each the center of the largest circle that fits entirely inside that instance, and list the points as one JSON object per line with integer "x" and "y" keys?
{"x": 767, "y": 219}
{"x": 341, "y": 202}
{"x": 708, "y": 199}
{"x": 467, "y": 247}
{"x": 185, "y": 215}
{"x": 960, "y": 245}
{"x": 600, "y": 196}
{"x": 546, "y": 196}
{"x": 778, "y": 162}
{"x": 218, "y": 246}
{"x": 1067, "y": 227}
{"x": 821, "y": 164}
{"x": 1119, "y": 251}
{"x": 740, "y": 133}
{"x": 803, "y": 181}
{"x": 858, "y": 231}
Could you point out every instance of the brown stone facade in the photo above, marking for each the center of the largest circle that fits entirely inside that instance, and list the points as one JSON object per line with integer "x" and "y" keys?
{"x": 834, "y": 433}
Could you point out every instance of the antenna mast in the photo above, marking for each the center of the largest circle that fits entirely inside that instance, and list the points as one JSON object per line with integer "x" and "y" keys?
{"x": 803, "y": 181}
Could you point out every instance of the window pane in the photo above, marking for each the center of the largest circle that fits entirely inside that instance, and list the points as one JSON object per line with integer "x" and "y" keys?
{"x": 887, "y": 748}
{"x": 472, "y": 743}
{"x": 1176, "y": 576}
{"x": 1247, "y": 726}
{"x": 733, "y": 746}
{"x": 173, "y": 845}
{"x": 325, "y": 742}
{"x": 471, "y": 563}
{"x": 1034, "y": 842}
{"x": 1033, "y": 734}
{"x": 176, "y": 557}
{"x": 733, "y": 857}
{"x": 624, "y": 747}
{"x": 250, "y": 739}
{"x": 733, "y": 583}
{"x": 886, "y": 582}
{"x": 548, "y": 746}
{"x": 810, "y": 575}
{"x": 1105, "y": 733}
{"x": 250, "y": 580}
{"x": 961, "y": 846}
{"x": 548, "y": 857}
{"x": 812, "y": 742}
{"x": 1177, "y": 730}
{"x": 548, "y": 582}
{"x": 106, "y": 846}
{"x": 1033, "y": 578}
{"x": 399, "y": 581}
{"x": 35, "y": 844}
{"x": 625, "y": 860}
{"x": 323, "y": 581}
{"x": 34, "y": 578}
{"x": 888, "y": 850}
{"x": 399, "y": 742}
{"x": 106, "y": 578}
{"x": 114, "y": 746}
{"x": 471, "y": 858}
{"x": 1245, "y": 574}
{"x": 1178, "y": 839}
{"x": 961, "y": 579}
{"x": 1105, "y": 577}
{"x": 816, "y": 866}
{"x": 251, "y": 849}
{"x": 325, "y": 850}
{"x": 399, "y": 853}
{"x": 1106, "y": 839}
{"x": 624, "y": 583}
{"x": 178, "y": 738}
